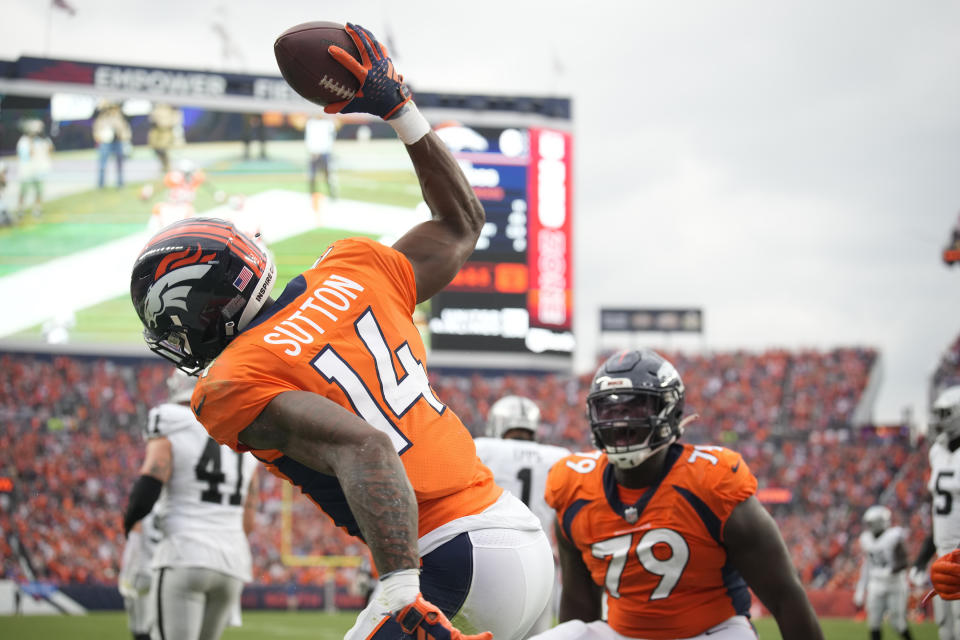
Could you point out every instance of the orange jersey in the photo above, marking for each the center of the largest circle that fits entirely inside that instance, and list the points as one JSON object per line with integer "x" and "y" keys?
{"x": 343, "y": 330}
{"x": 665, "y": 574}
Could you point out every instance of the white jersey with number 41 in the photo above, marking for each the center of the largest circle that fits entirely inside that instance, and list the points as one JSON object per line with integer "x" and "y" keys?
{"x": 200, "y": 510}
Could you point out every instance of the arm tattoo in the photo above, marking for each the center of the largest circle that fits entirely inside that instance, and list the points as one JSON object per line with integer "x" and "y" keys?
{"x": 159, "y": 468}
{"x": 385, "y": 507}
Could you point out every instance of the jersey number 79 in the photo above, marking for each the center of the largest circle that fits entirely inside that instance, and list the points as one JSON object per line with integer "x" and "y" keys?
{"x": 668, "y": 560}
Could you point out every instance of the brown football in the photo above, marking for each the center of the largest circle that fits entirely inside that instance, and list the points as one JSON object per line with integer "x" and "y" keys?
{"x": 309, "y": 68}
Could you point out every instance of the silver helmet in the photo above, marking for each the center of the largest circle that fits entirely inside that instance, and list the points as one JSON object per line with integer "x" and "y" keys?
{"x": 512, "y": 412}
{"x": 180, "y": 387}
{"x": 877, "y": 519}
{"x": 945, "y": 413}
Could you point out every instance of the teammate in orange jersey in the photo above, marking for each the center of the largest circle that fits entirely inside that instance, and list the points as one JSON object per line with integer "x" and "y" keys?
{"x": 327, "y": 386}
{"x": 657, "y": 539}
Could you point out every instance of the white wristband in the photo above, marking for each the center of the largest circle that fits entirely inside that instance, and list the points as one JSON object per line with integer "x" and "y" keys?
{"x": 399, "y": 588}
{"x": 410, "y": 124}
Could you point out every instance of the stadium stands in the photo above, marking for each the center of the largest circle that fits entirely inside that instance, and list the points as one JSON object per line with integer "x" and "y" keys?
{"x": 71, "y": 426}
{"x": 948, "y": 369}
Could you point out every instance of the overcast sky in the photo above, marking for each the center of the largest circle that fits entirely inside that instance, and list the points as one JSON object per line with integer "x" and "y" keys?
{"x": 792, "y": 167}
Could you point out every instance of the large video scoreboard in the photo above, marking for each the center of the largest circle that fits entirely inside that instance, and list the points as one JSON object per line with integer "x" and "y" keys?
{"x": 511, "y": 306}
{"x": 515, "y": 294}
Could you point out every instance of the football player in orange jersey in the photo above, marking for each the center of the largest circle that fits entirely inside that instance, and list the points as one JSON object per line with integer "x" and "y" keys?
{"x": 657, "y": 539}
{"x": 327, "y": 386}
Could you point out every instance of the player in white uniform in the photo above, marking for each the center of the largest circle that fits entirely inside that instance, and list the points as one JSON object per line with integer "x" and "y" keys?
{"x": 520, "y": 464}
{"x": 204, "y": 503}
{"x": 883, "y": 578}
{"x": 944, "y": 486}
{"x": 136, "y": 575}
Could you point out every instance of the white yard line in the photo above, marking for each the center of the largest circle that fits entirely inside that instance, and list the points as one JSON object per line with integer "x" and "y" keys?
{"x": 57, "y": 289}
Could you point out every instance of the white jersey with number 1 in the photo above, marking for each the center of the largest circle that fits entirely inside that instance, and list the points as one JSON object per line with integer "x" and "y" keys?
{"x": 521, "y": 467}
{"x": 200, "y": 510}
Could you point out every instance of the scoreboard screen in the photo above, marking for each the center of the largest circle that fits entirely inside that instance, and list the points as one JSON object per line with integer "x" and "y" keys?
{"x": 514, "y": 294}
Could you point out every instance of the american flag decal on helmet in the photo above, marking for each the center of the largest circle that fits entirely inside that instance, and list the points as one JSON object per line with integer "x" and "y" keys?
{"x": 241, "y": 282}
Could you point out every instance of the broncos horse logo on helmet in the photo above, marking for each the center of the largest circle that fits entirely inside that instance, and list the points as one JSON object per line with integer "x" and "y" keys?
{"x": 196, "y": 285}
{"x": 171, "y": 291}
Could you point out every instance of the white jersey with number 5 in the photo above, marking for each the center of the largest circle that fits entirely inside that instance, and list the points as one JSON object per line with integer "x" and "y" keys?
{"x": 945, "y": 488}
{"x": 200, "y": 510}
{"x": 521, "y": 467}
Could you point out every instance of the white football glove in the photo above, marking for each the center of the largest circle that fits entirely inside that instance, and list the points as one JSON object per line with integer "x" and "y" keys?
{"x": 858, "y": 598}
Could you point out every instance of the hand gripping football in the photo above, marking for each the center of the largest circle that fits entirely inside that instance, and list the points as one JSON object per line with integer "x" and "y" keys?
{"x": 308, "y": 67}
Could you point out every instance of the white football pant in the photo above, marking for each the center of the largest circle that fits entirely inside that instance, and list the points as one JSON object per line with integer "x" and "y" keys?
{"x": 193, "y": 603}
{"x": 497, "y": 580}
{"x": 735, "y": 628}
{"x": 890, "y": 600}
{"x": 139, "y": 606}
{"x": 947, "y": 615}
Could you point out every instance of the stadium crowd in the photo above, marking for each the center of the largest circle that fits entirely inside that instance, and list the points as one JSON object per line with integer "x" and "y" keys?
{"x": 71, "y": 429}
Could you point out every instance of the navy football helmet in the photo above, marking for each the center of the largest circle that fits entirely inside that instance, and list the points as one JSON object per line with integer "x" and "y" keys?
{"x": 634, "y": 406}
{"x": 196, "y": 285}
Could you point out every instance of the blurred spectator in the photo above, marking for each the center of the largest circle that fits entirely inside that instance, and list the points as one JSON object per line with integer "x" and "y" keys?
{"x": 948, "y": 370}
{"x": 34, "y": 151}
{"x": 951, "y": 253}
{"x": 6, "y": 216}
{"x": 319, "y": 135}
{"x": 253, "y": 127}
{"x": 111, "y": 133}
{"x": 166, "y": 132}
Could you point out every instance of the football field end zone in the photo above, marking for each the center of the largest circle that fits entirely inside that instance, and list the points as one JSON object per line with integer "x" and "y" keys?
{"x": 291, "y": 559}
{"x": 56, "y": 289}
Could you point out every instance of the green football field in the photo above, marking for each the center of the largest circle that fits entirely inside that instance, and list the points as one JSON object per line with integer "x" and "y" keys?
{"x": 91, "y": 217}
{"x": 320, "y": 626}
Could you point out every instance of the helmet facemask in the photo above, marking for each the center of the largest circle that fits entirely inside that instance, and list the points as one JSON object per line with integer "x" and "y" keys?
{"x": 631, "y": 425}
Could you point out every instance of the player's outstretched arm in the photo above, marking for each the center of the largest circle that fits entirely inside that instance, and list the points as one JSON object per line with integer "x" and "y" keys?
{"x": 756, "y": 549}
{"x": 327, "y": 438}
{"x": 438, "y": 248}
{"x": 579, "y": 597}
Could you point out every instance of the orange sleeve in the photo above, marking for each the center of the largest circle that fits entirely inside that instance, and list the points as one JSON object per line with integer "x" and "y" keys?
{"x": 733, "y": 483}
{"x": 229, "y": 396}
{"x": 556, "y": 487}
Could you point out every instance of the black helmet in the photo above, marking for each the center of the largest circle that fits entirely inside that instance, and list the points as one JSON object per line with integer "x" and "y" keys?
{"x": 196, "y": 285}
{"x": 634, "y": 406}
